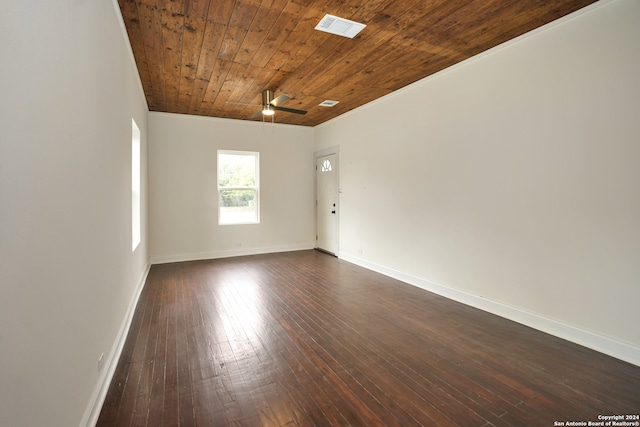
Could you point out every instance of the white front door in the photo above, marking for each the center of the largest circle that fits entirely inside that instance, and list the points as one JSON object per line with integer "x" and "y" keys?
{"x": 326, "y": 203}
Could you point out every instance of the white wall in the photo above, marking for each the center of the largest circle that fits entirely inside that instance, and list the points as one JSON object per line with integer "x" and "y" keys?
{"x": 510, "y": 182}
{"x": 67, "y": 272}
{"x": 183, "y": 193}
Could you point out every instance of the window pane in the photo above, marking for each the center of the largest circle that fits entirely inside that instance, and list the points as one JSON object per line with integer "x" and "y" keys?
{"x": 236, "y": 170}
{"x": 238, "y": 187}
{"x": 135, "y": 185}
{"x": 238, "y": 206}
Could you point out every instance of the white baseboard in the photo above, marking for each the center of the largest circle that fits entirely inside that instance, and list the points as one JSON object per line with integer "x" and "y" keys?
{"x": 603, "y": 344}
{"x": 229, "y": 253}
{"x": 92, "y": 412}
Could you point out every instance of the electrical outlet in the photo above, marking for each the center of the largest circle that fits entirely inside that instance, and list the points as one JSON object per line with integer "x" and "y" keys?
{"x": 100, "y": 362}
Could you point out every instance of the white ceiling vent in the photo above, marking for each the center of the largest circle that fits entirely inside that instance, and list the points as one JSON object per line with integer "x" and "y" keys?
{"x": 328, "y": 103}
{"x": 339, "y": 26}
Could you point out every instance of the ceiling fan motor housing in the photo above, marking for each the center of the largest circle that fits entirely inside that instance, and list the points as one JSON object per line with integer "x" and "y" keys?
{"x": 267, "y": 97}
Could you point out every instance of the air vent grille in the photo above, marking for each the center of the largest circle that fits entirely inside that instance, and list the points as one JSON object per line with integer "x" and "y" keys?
{"x": 328, "y": 103}
{"x": 339, "y": 26}
{"x": 327, "y": 22}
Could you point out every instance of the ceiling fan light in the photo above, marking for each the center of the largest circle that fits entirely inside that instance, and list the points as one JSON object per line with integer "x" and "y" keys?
{"x": 267, "y": 111}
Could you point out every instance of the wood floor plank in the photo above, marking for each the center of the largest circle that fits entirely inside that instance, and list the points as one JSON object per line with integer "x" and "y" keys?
{"x": 305, "y": 339}
{"x": 186, "y": 403}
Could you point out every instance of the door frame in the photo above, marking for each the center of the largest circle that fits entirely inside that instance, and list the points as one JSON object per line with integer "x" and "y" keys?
{"x": 322, "y": 153}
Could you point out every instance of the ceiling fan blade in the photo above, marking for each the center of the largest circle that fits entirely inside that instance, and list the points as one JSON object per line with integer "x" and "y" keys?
{"x": 280, "y": 99}
{"x": 242, "y": 103}
{"x": 289, "y": 110}
{"x": 257, "y": 114}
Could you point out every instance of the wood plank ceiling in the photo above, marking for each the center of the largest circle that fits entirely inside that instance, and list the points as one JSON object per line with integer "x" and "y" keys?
{"x": 206, "y": 57}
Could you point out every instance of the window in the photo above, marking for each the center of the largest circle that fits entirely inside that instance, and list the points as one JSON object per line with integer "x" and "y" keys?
{"x": 135, "y": 185}
{"x": 238, "y": 187}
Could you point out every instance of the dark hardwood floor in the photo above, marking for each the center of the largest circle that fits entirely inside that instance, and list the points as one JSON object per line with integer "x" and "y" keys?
{"x": 303, "y": 338}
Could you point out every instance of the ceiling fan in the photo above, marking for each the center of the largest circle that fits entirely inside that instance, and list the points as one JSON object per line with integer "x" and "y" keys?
{"x": 270, "y": 104}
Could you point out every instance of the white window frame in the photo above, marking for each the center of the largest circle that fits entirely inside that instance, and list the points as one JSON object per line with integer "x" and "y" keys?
{"x": 256, "y": 188}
